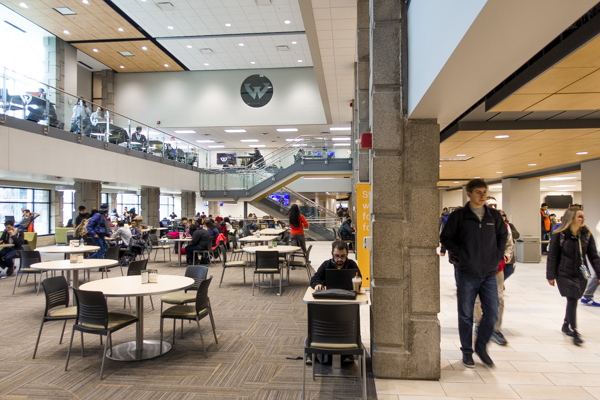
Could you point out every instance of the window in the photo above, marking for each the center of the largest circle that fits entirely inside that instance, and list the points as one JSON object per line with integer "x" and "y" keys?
{"x": 68, "y": 206}
{"x": 12, "y": 200}
{"x": 167, "y": 206}
{"x": 130, "y": 201}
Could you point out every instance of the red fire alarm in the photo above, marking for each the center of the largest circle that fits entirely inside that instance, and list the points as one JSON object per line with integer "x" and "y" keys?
{"x": 366, "y": 141}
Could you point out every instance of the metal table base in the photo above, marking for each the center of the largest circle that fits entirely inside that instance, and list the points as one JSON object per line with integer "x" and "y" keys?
{"x": 128, "y": 351}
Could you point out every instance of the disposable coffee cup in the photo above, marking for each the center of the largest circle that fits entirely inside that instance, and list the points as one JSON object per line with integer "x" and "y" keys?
{"x": 356, "y": 281}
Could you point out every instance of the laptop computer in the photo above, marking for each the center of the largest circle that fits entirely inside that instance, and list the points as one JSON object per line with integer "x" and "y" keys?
{"x": 340, "y": 278}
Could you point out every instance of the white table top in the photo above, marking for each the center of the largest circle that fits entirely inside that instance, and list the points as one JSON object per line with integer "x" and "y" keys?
{"x": 257, "y": 239}
{"x": 361, "y": 298}
{"x": 180, "y": 240}
{"x": 270, "y": 231}
{"x": 6, "y": 245}
{"x": 67, "y": 265}
{"x": 281, "y": 249}
{"x": 67, "y": 249}
{"x": 133, "y": 286}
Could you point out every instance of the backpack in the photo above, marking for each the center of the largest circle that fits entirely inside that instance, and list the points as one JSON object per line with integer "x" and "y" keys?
{"x": 137, "y": 245}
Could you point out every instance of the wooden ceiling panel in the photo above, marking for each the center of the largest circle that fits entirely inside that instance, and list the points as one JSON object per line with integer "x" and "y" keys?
{"x": 558, "y": 134}
{"x": 573, "y": 101}
{"x": 513, "y": 135}
{"x": 554, "y": 80}
{"x": 587, "y": 56}
{"x": 518, "y": 102}
{"x": 151, "y": 60}
{"x": 93, "y": 21}
{"x": 463, "y": 136}
{"x": 589, "y": 84}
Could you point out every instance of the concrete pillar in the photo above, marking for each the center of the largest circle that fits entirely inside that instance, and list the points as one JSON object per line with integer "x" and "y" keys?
{"x": 54, "y": 75}
{"x": 112, "y": 202}
{"x": 88, "y": 195}
{"x": 108, "y": 89}
{"x": 405, "y": 290}
{"x": 590, "y": 193}
{"x": 150, "y": 205}
{"x": 56, "y": 210}
{"x": 521, "y": 203}
{"x": 188, "y": 204}
{"x": 213, "y": 208}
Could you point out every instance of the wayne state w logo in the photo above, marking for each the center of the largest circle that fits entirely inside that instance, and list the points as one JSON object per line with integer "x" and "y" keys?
{"x": 257, "y": 90}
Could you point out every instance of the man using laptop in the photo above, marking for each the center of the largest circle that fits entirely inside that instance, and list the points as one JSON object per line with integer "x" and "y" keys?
{"x": 339, "y": 260}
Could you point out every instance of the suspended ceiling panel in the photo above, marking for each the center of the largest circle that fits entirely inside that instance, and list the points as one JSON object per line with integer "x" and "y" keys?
{"x": 572, "y": 84}
{"x": 93, "y": 21}
{"x": 152, "y": 59}
{"x": 258, "y": 51}
{"x": 201, "y": 18}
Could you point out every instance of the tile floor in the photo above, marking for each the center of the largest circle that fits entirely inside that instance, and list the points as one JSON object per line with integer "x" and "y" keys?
{"x": 539, "y": 362}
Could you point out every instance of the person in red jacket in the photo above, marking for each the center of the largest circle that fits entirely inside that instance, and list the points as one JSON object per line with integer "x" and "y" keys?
{"x": 297, "y": 225}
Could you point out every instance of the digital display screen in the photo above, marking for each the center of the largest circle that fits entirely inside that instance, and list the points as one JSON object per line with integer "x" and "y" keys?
{"x": 277, "y": 197}
{"x": 226, "y": 158}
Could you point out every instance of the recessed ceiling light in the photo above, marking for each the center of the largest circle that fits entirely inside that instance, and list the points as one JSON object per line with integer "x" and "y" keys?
{"x": 63, "y": 10}
{"x": 252, "y": 62}
{"x": 456, "y": 182}
{"x": 206, "y": 64}
{"x": 66, "y": 32}
{"x": 228, "y": 24}
{"x": 343, "y": 128}
{"x": 287, "y": 130}
{"x": 581, "y": 153}
{"x": 241, "y": 44}
{"x": 299, "y": 61}
{"x": 257, "y": 145}
{"x": 189, "y": 46}
{"x": 144, "y": 48}
{"x": 499, "y": 172}
{"x": 341, "y": 138}
{"x": 169, "y": 27}
{"x": 85, "y": 1}
{"x": 126, "y": 54}
{"x": 120, "y": 29}
{"x": 185, "y": 131}
{"x": 166, "y": 65}
{"x": 249, "y": 140}
{"x": 95, "y": 50}
{"x": 531, "y": 165}
{"x": 294, "y": 140}
{"x": 205, "y": 141}
{"x": 218, "y": 146}
{"x": 558, "y": 178}
{"x": 287, "y": 22}
{"x": 461, "y": 155}
{"x": 235, "y": 130}
{"x": 440, "y": 165}
{"x": 122, "y": 66}
{"x": 23, "y": 5}
{"x": 341, "y": 144}
{"x": 294, "y": 42}
{"x": 501, "y": 136}
{"x": 561, "y": 186}
{"x": 477, "y": 177}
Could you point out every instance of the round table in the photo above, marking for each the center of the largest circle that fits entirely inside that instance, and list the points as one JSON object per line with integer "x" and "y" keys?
{"x": 126, "y": 286}
{"x": 179, "y": 241}
{"x": 257, "y": 239}
{"x": 270, "y": 231}
{"x": 281, "y": 249}
{"x": 67, "y": 249}
{"x": 67, "y": 265}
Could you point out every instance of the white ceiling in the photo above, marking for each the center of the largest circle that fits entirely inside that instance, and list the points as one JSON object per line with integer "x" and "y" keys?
{"x": 570, "y": 182}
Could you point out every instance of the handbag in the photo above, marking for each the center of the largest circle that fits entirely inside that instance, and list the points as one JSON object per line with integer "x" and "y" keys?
{"x": 582, "y": 267}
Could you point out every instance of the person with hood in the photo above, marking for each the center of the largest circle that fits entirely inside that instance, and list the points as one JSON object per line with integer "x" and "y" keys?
{"x": 98, "y": 228}
{"x": 346, "y": 230}
{"x": 258, "y": 159}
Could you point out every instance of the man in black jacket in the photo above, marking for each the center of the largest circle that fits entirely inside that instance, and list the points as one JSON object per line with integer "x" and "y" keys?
{"x": 83, "y": 214}
{"x": 475, "y": 236}
{"x": 14, "y": 236}
{"x": 339, "y": 260}
{"x": 201, "y": 240}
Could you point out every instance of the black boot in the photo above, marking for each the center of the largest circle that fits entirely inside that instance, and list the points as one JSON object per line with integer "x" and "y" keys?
{"x": 576, "y": 339}
{"x": 566, "y": 330}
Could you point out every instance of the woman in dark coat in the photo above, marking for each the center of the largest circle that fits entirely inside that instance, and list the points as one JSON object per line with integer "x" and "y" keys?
{"x": 567, "y": 264}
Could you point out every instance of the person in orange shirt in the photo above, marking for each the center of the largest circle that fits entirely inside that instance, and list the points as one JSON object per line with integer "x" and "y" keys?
{"x": 297, "y": 225}
{"x": 545, "y": 218}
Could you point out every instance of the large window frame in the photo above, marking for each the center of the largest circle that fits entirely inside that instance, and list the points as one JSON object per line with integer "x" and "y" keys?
{"x": 68, "y": 209}
{"x": 130, "y": 201}
{"x": 13, "y": 199}
{"x": 167, "y": 206}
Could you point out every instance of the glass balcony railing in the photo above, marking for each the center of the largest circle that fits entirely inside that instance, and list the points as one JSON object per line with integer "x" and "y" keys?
{"x": 28, "y": 99}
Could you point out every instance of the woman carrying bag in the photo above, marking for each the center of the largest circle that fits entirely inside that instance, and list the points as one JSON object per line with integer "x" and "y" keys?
{"x": 567, "y": 264}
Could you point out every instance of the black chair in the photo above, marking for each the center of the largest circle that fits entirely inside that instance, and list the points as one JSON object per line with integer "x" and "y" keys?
{"x": 304, "y": 262}
{"x": 57, "y": 295}
{"x": 335, "y": 330}
{"x": 156, "y": 245}
{"x": 112, "y": 253}
{"x": 196, "y": 312}
{"x": 267, "y": 263}
{"x": 28, "y": 258}
{"x": 93, "y": 317}
{"x": 230, "y": 264}
{"x": 136, "y": 268}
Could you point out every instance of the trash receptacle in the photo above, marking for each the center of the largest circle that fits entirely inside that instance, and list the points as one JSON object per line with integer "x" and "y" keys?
{"x": 529, "y": 250}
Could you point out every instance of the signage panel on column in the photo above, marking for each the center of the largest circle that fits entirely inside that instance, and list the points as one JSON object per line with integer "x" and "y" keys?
{"x": 363, "y": 221}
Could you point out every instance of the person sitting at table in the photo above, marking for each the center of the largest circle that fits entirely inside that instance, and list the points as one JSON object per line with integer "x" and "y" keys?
{"x": 98, "y": 227}
{"x": 134, "y": 229}
{"x": 227, "y": 222}
{"x": 200, "y": 241}
{"x": 212, "y": 231}
{"x": 346, "y": 230}
{"x": 183, "y": 224}
{"x": 14, "y": 236}
{"x": 138, "y": 139}
{"x": 28, "y": 218}
{"x": 96, "y": 121}
{"x": 339, "y": 260}
{"x": 123, "y": 233}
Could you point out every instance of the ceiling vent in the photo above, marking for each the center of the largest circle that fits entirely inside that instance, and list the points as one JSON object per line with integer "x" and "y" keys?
{"x": 206, "y": 50}
{"x": 283, "y": 48}
{"x": 456, "y": 159}
{"x": 325, "y": 133}
{"x": 65, "y": 10}
{"x": 265, "y": 133}
{"x": 165, "y": 5}
{"x": 264, "y": 2}
{"x": 206, "y": 134}
{"x": 126, "y": 53}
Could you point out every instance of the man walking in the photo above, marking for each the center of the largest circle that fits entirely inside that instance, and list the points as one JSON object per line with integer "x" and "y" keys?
{"x": 475, "y": 236}
{"x": 98, "y": 227}
{"x": 546, "y": 226}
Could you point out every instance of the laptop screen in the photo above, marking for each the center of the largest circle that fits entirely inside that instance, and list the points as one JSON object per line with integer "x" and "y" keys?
{"x": 340, "y": 278}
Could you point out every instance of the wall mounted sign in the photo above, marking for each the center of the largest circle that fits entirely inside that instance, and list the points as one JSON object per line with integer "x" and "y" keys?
{"x": 257, "y": 91}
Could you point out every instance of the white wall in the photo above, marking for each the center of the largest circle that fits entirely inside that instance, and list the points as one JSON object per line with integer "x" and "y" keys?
{"x": 340, "y": 185}
{"x": 521, "y": 202}
{"x": 451, "y": 199}
{"x": 212, "y": 98}
{"x": 560, "y": 211}
{"x": 84, "y": 82}
{"x": 590, "y": 195}
{"x": 70, "y": 69}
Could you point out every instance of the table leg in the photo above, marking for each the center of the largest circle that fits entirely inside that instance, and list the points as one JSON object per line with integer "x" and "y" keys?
{"x": 179, "y": 255}
{"x": 76, "y": 279}
{"x": 139, "y": 329}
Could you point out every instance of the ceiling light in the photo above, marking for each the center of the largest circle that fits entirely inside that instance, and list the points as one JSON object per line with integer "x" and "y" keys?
{"x": 206, "y": 64}
{"x": 169, "y": 27}
{"x": 23, "y": 5}
{"x": 294, "y": 42}
{"x": 85, "y": 1}
{"x": 531, "y": 165}
{"x": 299, "y": 61}
{"x": 558, "y": 178}
{"x": 228, "y": 24}
{"x": 340, "y": 138}
{"x": 477, "y": 177}
{"x": 241, "y": 44}
{"x": 144, "y": 48}
{"x": 120, "y": 29}
{"x": 581, "y": 153}
{"x": 205, "y": 141}
{"x": 66, "y": 32}
{"x": 456, "y": 182}
{"x": 341, "y": 144}
{"x": 206, "y": 50}
{"x": 287, "y": 22}
{"x": 216, "y": 146}
{"x": 300, "y": 145}
{"x": 249, "y": 140}
{"x": 122, "y": 66}
{"x": 235, "y": 130}
{"x": 501, "y": 136}
{"x": 542, "y": 188}
{"x": 257, "y": 145}
{"x": 185, "y": 131}
{"x": 287, "y": 130}
{"x": 294, "y": 140}
{"x": 561, "y": 186}
{"x": 440, "y": 165}
{"x": 126, "y": 53}
{"x": 189, "y": 46}
{"x": 252, "y": 62}
{"x": 499, "y": 172}
{"x": 63, "y": 10}
{"x": 461, "y": 155}
{"x": 343, "y": 128}
{"x": 166, "y": 65}
{"x": 95, "y": 50}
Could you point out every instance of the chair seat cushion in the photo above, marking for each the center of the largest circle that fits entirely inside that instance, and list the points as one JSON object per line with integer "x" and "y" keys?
{"x": 235, "y": 264}
{"x": 334, "y": 345}
{"x": 161, "y": 247}
{"x": 238, "y": 250}
{"x": 267, "y": 270}
{"x": 114, "y": 320}
{"x": 179, "y": 298}
{"x": 64, "y": 312}
{"x": 298, "y": 263}
{"x": 181, "y": 312}
{"x": 31, "y": 271}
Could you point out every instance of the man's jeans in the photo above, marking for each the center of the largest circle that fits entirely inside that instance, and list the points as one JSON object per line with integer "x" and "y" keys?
{"x": 99, "y": 241}
{"x": 592, "y": 285}
{"x": 467, "y": 289}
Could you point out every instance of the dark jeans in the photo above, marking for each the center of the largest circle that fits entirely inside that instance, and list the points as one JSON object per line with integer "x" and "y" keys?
{"x": 571, "y": 314}
{"x": 7, "y": 256}
{"x": 299, "y": 240}
{"x": 189, "y": 253}
{"x": 508, "y": 270}
{"x": 468, "y": 287}
{"x": 545, "y": 236}
{"x": 99, "y": 241}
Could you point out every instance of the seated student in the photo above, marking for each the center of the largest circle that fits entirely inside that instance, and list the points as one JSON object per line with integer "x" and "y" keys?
{"x": 134, "y": 229}
{"x": 339, "y": 260}
{"x": 123, "y": 233}
{"x": 182, "y": 226}
{"x": 346, "y": 230}
{"x": 28, "y": 218}
{"x": 11, "y": 235}
{"x": 173, "y": 215}
{"x": 213, "y": 231}
{"x": 200, "y": 241}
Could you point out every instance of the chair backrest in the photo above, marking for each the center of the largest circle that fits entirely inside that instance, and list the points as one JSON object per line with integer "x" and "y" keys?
{"x": 57, "y": 292}
{"x": 88, "y": 241}
{"x": 202, "y": 300}
{"x": 308, "y": 253}
{"x": 197, "y": 273}
{"x": 223, "y": 251}
{"x": 91, "y": 308}
{"x": 27, "y": 247}
{"x": 29, "y": 257}
{"x": 112, "y": 253}
{"x": 136, "y": 267}
{"x": 339, "y": 324}
{"x": 69, "y": 238}
{"x": 267, "y": 260}
{"x": 153, "y": 239}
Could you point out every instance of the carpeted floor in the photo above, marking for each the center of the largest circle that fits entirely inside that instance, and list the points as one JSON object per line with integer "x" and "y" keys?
{"x": 259, "y": 337}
